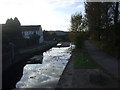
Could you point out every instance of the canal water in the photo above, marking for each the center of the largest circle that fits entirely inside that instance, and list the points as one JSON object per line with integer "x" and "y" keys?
{"x": 47, "y": 74}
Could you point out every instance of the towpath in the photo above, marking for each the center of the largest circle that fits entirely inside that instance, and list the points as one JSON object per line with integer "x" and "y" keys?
{"x": 106, "y": 61}
{"x": 79, "y": 78}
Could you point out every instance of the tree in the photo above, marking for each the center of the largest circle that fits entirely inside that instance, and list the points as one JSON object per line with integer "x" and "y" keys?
{"x": 78, "y": 23}
{"x": 116, "y": 12}
{"x": 17, "y": 22}
{"x": 97, "y": 16}
{"x": 103, "y": 24}
{"x": 76, "y": 20}
{"x": 12, "y": 32}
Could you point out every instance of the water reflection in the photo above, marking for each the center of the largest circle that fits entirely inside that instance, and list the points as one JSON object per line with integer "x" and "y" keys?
{"x": 47, "y": 74}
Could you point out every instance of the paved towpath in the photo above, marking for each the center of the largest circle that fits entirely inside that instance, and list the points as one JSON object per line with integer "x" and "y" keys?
{"x": 79, "y": 78}
{"x": 107, "y": 62}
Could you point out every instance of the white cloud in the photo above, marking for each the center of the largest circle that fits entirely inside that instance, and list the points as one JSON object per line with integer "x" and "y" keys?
{"x": 43, "y": 12}
{"x": 62, "y": 3}
{"x": 80, "y": 6}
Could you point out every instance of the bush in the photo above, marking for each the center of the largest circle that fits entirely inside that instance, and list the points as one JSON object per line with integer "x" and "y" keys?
{"x": 79, "y": 39}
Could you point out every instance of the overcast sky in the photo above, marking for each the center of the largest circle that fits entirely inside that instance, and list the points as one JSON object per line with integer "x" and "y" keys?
{"x": 50, "y": 14}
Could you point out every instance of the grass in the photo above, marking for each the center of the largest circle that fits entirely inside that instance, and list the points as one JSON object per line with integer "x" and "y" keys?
{"x": 83, "y": 60}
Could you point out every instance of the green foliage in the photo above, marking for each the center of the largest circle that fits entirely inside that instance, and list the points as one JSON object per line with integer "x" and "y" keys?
{"x": 79, "y": 39}
{"x": 97, "y": 16}
{"x": 110, "y": 41}
{"x": 78, "y": 25}
{"x": 104, "y": 25}
{"x": 76, "y": 20}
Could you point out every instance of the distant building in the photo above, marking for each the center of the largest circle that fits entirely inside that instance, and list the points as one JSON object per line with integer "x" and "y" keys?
{"x": 59, "y": 33}
{"x": 32, "y": 29}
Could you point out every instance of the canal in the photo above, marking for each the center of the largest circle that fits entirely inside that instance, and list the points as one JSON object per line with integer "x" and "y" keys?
{"x": 47, "y": 74}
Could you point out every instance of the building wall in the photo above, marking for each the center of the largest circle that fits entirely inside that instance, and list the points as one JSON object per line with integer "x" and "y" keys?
{"x": 41, "y": 35}
{"x": 27, "y": 33}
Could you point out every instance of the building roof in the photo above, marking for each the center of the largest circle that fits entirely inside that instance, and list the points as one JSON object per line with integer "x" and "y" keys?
{"x": 31, "y": 27}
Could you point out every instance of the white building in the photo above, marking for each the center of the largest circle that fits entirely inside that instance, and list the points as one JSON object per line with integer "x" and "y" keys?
{"x": 32, "y": 29}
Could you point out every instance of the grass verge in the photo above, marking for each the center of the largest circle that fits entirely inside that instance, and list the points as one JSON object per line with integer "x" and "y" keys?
{"x": 83, "y": 60}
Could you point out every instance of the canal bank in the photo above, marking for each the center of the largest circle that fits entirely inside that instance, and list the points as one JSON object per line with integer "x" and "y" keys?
{"x": 86, "y": 73}
{"x": 23, "y": 54}
{"x": 65, "y": 80}
{"x": 11, "y": 73}
{"x": 49, "y": 72}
